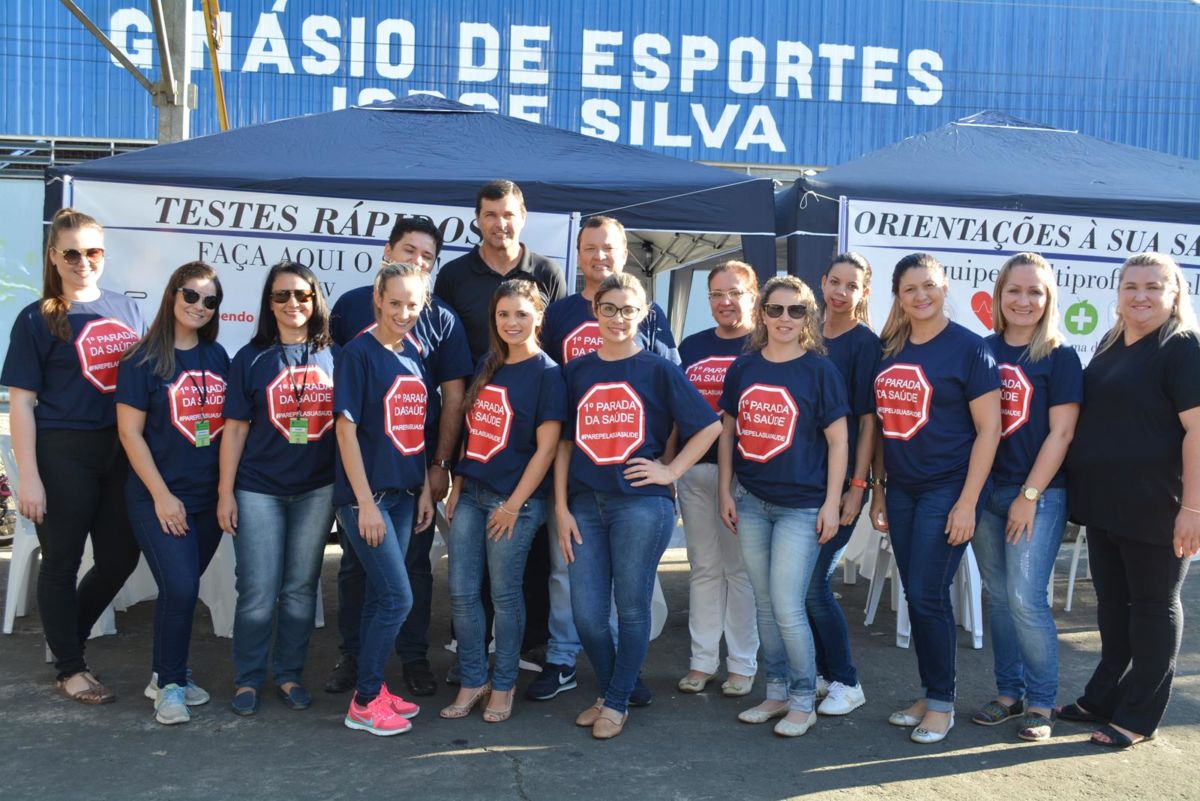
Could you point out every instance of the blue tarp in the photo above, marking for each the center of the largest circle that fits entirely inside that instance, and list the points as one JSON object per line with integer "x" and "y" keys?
{"x": 426, "y": 149}
{"x": 991, "y": 160}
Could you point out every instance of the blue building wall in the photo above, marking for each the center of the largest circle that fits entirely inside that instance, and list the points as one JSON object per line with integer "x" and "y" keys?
{"x": 752, "y": 81}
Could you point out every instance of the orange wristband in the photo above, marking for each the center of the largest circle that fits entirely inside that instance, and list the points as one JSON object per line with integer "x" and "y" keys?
{"x": 858, "y": 482}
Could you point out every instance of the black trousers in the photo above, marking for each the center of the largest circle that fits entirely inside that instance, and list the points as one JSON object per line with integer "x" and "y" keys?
{"x": 83, "y": 473}
{"x": 537, "y": 591}
{"x": 1141, "y": 623}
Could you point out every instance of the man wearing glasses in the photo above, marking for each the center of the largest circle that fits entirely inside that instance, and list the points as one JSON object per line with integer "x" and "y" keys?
{"x": 570, "y": 330}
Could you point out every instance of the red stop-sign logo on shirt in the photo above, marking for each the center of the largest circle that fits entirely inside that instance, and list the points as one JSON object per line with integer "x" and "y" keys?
{"x": 195, "y": 396}
{"x": 489, "y": 423}
{"x": 582, "y": 341}
{"x": 100, "y": 346}
{"x": 766, "y": 422}
{"x": 708, "y": 376}
{"x": 610, "y": 423}
{"x": 1016, "y": 394}
{"x": 902, "y": 398}
{"x": 404, "y": 414}
{"x": 304, "y": 392}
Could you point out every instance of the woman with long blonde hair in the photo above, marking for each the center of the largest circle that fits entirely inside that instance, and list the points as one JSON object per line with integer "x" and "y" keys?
{"x": 1025, "y": 513}
{"x": 937, "y": 397}
{"x": 1132, "y": 479}
{"x": 781, "y": 463}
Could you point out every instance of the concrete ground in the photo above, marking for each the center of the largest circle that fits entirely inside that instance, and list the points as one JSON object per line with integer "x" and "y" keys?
{"x": 681, "y": 747}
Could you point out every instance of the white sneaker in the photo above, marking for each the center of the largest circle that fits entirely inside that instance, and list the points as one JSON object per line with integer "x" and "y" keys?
{"x": 193, "y": 694}
{"x": 842, "y": 700}
{"x": 822, "y": 687}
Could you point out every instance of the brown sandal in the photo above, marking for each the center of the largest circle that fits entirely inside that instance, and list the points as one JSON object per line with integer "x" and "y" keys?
{"x": 93, "y": 694}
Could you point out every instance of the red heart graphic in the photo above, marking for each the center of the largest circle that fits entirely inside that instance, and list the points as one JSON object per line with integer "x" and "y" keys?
{"x": 981, "y": 304}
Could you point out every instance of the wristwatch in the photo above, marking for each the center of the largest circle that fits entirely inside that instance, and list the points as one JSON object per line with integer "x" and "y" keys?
{"x": 1030, "y": 493}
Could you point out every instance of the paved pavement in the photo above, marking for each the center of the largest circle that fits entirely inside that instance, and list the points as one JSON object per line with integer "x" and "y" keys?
{"x": 681, "y": 747}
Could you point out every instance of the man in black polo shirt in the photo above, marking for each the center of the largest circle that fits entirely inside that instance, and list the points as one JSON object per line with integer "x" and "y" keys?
{"x": 468, "y": 283}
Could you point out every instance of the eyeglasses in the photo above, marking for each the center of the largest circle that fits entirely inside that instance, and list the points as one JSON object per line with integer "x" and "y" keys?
{"x": 775, "y": 310}
{"x": 191, "y": 296}
{"x": 717, "y": 296}
{"x": 301, "y": 295}
{"x": 73, "y": 255}
{"x": 612, "y": 310}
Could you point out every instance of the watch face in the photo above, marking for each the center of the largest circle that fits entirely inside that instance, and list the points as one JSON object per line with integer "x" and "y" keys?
{"x": 1031, "y": 494}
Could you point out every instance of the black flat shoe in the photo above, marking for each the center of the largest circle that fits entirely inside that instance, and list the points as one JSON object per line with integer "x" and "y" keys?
{"x": 344, "y": 675}
{"x": 1076, "y": 714}
{"x": 419, "y": 679}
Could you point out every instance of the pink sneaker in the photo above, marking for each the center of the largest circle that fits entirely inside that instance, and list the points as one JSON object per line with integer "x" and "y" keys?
{"x": 377, "y": 717}
{"x": 405, "y": 709}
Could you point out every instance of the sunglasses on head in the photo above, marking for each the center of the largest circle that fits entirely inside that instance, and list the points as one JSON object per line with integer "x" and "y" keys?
{"x": 301, "y": 295}
{"x": 775, "y": 310}
{"x": 74, "y": 255}
{"x": 191, "y": 296}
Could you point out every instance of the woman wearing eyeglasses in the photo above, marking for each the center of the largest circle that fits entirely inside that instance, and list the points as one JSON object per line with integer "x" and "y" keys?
{"x": 61, "y": 371}
{"x": 612, "y": 494}
{"x": 170, "y": 412}
{"x": 784, "y": 440}
{"x": 720, "y": 599}
{"x": 937, "y": 397}
{"x": 276, "y": 488}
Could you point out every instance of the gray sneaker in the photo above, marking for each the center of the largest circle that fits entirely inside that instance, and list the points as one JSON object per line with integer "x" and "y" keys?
{"x": 170, "y": 707}
{"x": 193, "y": 694}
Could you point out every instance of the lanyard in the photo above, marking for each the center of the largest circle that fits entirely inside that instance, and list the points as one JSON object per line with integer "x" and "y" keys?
{"x": 201, "y": 388}
{"x": 297, "y": 394}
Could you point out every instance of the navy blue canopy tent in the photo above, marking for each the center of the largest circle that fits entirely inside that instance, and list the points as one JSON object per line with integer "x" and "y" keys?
{"x": 427, "y": 149}
{"x": 990, "y": 160}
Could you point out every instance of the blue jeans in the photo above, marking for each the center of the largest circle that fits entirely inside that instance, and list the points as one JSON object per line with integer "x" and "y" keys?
{"x": 177, "y": 564}
{"x": 1024, "y": 638}
{"x": 831, "y": 635}
{"x": 470, "y": 549}
{"x": 624, "y": 537}
{"x": 280, "y": 546}
{"x": 388, "y": 596}
{"x": 779, "y": 548}
{"x": 927, "y": 564}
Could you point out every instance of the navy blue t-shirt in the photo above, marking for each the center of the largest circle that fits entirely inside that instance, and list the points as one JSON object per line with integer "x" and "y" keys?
{"x": 75, "y": 380}
{"x": 385, "y": 394}
{"x": 782, "y": 410}
{"x": 856, "y": 354}
{"x": 705, "y": 358}
{"x": 922, "y": 399}
{"x": 269, "y": 388}
{"x": 501, "y": 430}
{"x": 1028, "y": 390}
{"x": 195, "y": 394}
{"x": 438, "y": 336}
{"x": 570, "y": 330}
{"x": 624, "y": 409}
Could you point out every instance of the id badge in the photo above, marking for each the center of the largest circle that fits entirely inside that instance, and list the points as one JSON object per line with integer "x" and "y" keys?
{"x": 298, "y": 431}
{"x": 202, "y": 438}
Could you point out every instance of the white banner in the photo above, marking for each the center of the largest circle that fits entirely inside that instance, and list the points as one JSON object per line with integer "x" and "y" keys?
{"x": 1086, "y": 253}
{"x": 150, "y": 230}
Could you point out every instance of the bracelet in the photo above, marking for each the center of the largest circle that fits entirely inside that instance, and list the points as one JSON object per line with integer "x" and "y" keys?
{"x": 858, "y": 482}
{"x": 1189, "y": 509}
{"x": 878, "y": 482}
{"x": 502, "y": 509}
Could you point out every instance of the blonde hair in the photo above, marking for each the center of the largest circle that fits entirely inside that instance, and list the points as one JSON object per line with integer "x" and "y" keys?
{"x": 810, "y": 326}
{"x": 1182, "y": 319}
{"x": 54, "y": 306}
{"x": 898, "y": 327}
{"x": 397, "y": 270}
{"x": 860, "y": 312}
{"x": 1046, "y": 334}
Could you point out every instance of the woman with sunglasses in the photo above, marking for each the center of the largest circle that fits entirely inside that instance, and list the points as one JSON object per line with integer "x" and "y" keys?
{"x": 516, "y": 406}
{"x": 855, "y": 351}
{"x": 720, "y": 598}
{"x": 784, "y": 440}
{"x": 276, "y": 489}
{"x": 170, "y": 412}
{"x": 379, "y": 405}
{"x": 613, "y": 495}
{"x": 937, "y": 397}
{"x": 61, "y": 371}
